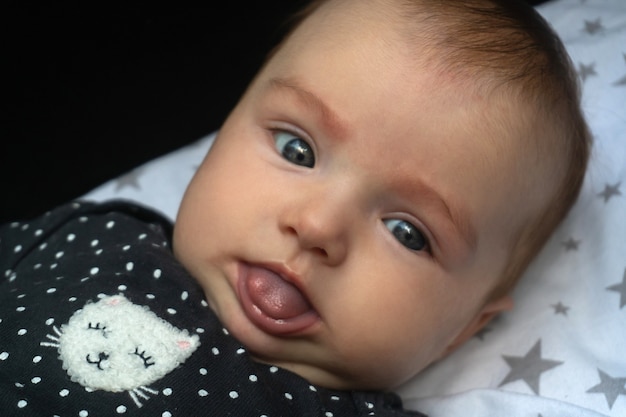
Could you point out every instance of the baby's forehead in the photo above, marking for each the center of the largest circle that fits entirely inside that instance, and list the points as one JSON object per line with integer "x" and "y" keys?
{"x": 502, "y": 115}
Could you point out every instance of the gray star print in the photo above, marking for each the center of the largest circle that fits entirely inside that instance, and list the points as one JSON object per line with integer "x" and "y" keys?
{"x": 528, "y": 368}
{"x": 621, "y": 81}
{"x": 586, "y": 70}
{"x": 130, "y": 179}
{"x": 482, "y": 332}
{"x": 560, "y": 308}
{"x": 593, "y": 27}
{"x": 609, "y": 191}
{"x": 610, "y": 387}
{"x": 621, "y": 289}
{"x": 571, "y": 244}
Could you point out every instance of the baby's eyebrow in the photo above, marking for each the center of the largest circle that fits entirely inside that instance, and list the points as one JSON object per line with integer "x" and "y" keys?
{"x": 330, "y": 120}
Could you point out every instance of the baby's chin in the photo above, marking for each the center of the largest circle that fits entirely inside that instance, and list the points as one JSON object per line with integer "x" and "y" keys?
{"x": 316, "y": 375}
{"x": 339, "y": 378}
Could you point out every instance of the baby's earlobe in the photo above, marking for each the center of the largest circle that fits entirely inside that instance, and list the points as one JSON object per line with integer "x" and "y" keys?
{"x": 490, "y": 310}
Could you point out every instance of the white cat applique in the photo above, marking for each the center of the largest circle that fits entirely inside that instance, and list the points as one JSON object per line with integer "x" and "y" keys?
{"x": 115, "y": 345}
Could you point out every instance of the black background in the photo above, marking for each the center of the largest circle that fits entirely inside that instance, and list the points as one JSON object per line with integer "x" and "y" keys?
{"x": 91, "y": 92}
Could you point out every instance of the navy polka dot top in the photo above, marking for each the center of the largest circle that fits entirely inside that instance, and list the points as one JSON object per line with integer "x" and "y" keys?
{"x": 97, "y": 318}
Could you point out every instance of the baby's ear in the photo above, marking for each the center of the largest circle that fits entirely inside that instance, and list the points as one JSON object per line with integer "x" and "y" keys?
{"x": 484, "y": 316}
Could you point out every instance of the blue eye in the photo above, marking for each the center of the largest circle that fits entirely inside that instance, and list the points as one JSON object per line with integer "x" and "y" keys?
{"x": 294, "y": 149}
{"x": 407, "y": 234}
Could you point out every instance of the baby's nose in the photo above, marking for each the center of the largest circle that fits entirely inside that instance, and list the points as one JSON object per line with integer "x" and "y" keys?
{"x": 321, "y": 225}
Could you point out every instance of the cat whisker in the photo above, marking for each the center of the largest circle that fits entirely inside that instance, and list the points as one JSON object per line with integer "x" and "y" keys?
{"x": 139, "y": 392}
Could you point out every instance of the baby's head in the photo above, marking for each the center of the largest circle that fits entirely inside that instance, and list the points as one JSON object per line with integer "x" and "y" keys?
{"x": 382, "y": 184}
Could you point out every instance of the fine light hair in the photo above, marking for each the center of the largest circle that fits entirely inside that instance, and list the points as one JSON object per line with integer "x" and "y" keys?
{"x": 508, "y": 49}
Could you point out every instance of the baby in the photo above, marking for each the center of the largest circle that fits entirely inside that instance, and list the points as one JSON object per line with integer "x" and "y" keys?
{"x": 366, "y": 208}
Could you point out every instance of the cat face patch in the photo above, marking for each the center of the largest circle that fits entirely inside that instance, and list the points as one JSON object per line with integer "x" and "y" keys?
{"x": 115, "y": 345}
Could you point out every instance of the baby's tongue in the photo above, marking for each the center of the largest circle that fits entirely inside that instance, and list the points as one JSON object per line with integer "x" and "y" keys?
{"x": 274, "y": 296}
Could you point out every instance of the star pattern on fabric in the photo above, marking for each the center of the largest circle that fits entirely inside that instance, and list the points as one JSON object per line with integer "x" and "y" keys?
{"x": 610, "y": 387}
{"x": 560, "y": 308}
{"x": 571, "y": 244}
{"x": 621, "y": 289}
{"x": 593, "y": 26}
{"x": 528, "y": 368}
{"x": 610, "y": 191}
{"x": 586, "y": 70}
{"x": 130, "y": 179}
{"x": 621, "y": 81}
{"x": 482, "y": 332}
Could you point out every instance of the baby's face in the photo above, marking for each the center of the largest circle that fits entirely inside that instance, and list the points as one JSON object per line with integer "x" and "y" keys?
{"x": 353, "y": 213}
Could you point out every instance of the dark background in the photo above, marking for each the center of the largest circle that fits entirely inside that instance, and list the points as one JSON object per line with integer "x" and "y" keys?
{"x": 89, "y": 93}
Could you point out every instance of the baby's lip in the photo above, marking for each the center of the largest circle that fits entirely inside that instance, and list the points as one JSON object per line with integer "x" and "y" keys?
{"x": 273, "y": 299}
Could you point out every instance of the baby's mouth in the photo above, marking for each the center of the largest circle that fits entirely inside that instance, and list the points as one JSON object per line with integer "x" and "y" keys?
{"x": 272, "y": 303}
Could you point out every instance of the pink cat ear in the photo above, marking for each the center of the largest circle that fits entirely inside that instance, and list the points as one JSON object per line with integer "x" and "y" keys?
{"x": 113, "y": 302}
{"x": 183, "y": 344}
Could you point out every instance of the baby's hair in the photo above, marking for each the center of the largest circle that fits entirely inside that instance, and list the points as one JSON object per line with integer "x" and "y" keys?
{"x": 506, "y": 45}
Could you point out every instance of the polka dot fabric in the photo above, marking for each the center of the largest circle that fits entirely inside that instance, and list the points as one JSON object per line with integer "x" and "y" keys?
{"x": 84, "y": 253}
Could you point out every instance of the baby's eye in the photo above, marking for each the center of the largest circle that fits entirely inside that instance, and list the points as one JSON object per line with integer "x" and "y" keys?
{"x": 294, "y": 149}
{"x": 407, "y": 234}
